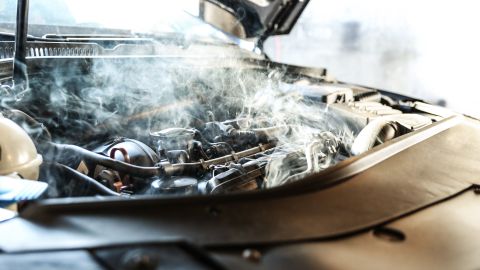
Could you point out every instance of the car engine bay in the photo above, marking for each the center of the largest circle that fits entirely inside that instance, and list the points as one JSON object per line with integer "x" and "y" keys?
{"x": 114, "y": 127}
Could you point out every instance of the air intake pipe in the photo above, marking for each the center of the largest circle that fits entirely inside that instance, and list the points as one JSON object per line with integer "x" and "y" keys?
{"x": 385, "y": 128}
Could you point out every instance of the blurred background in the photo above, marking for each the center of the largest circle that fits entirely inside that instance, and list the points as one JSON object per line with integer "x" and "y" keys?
{"x": 425, "y": 49}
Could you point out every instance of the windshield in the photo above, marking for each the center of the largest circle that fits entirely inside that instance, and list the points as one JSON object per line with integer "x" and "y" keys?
{"x": 91, "y": 17}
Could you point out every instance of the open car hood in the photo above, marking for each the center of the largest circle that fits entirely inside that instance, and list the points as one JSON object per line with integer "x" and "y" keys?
{"x": 253, "y": 18}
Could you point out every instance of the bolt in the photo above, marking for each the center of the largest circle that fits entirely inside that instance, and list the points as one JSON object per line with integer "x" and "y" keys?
{"x": 140, "y": 262}
{"x": 252, "y": 255}
{"x": 213, "y": 211}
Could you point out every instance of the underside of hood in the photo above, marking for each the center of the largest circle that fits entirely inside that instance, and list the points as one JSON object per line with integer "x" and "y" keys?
{"x": 252, "y": 18}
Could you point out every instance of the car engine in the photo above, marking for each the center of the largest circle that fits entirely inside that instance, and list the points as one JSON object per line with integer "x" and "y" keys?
{"x": 247, "y": 132}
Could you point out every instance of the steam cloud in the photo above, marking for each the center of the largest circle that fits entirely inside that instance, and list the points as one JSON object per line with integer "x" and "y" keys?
{"x": 133, "y": 97}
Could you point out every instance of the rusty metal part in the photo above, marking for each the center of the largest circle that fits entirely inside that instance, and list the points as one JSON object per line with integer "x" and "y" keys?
{"x": 124, "y": 152}
{"x": 125, "y": 179}
{"x": 122, "y": 181}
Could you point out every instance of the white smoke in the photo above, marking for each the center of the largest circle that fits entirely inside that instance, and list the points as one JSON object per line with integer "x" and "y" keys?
{"x": 133, "y": 97}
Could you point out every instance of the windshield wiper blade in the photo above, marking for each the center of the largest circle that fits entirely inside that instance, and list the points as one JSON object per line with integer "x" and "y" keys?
{"x": 108, "y": 41}
{"x": 6, "y": 36}
{"x": 86, "y": 36}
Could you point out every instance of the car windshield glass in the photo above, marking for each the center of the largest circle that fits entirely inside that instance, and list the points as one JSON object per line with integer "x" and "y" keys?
{"x": 92, "y": 17}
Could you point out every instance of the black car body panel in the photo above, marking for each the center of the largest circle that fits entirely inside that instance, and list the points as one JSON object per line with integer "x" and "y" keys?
{"x": 339, "y": 204}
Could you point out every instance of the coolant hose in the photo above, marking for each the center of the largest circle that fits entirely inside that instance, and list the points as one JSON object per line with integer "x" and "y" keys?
{"x": 76, "y": 175}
